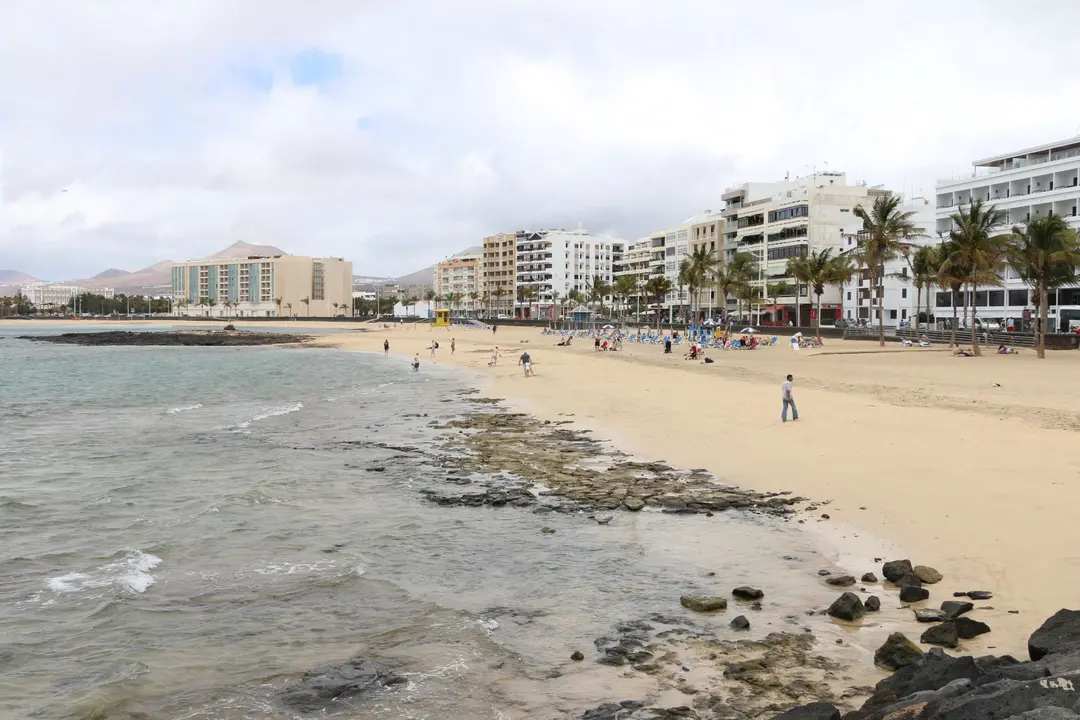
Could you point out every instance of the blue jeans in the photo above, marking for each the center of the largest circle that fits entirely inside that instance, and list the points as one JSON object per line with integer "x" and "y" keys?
{"x": 794, "y": 411}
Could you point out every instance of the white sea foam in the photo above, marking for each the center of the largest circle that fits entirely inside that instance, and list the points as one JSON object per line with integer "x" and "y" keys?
{"x": 131, "y": 572}
{"x": 183, "y": 409}
{"x": 272, "y": 412}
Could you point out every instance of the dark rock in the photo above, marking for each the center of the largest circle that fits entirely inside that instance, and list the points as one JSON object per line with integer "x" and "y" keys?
{"x": 933, "y": 672}
{"x": 740, "y": 623}
{"x": 703, "y": 603}
{"x": 955, "y": 608}
{"x": 869, "y": 578}
{"x": 813, "y": 711}
{"x": 980, "y": 594}
{"x": 824, "y": 573}
{"x": 872, "y": 604}
{"x": 896, "y": 569}
{"x": 910, "y": 594}
{"x": 1059, "y": 633}
{"x": 755, "y": 606}
{"x": 909, "y": 580}
{"x": 847, "y": 607}
{"x": 930, "y": 615}
{"x": 841, "y": 581}
{"x": 547, "y": 531}
{"x": 633, "y": 504}
{"x": 927, "y": 574}
{"x": 944, "y": 634}
{"x": 1047, "y": 713}
{"x": 577, "y": 656}
{"x": 824, "y": 516}
{"x": 968, "y": 628}
{"x": 747, "y": 593}
{"x": 1009, "y": 698}
{"x": 173, "y": 338}
{"x": 897, "y": 652}
{"x": 351, "y": 681}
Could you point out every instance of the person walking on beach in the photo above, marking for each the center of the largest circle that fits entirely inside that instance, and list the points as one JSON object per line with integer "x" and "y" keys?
{"x": 416, "y": 362}
{"x": 434, "y": 347}
{"x": 494, "y": 357}
{"x": 789, "y": 399}
{"x": 385, "y": 347}
{"x": 453, "y": 345}
{"x": 527, "y": 362}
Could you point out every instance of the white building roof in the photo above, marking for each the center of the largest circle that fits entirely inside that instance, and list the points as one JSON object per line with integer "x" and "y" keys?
{"x": 1068, "y": 143}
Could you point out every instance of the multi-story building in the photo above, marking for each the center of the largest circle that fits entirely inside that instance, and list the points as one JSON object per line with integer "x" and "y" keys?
{"x": 707, "y": 231}
{"x": 777, "y": 221}
{"x": 1025, "y": 184}
{"x": 637, "y": 264}
{"x": 54, "y": 296}
{"x": 460, "y": 277}
{"x": 258, "y": 286}
{"x": 899, "y": 296}
{"x": 551, "y": 263}
{"x": 498, "y": 274}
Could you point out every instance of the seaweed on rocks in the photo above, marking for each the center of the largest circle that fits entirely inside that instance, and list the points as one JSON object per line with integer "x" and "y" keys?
{"x": 202, "y": 338}
{"x": 569, "y": 465}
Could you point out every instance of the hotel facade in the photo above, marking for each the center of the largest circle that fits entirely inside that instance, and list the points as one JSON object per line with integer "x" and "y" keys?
{"x": 274, "y": 286}
{"x": 460, "y": 277}
{"x": 53, "y": 296}
{"x": 553, "y": 262}
{"x": 1025, "y": 184}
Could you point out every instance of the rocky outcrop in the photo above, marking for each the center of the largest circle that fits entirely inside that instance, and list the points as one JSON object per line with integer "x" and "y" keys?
{"x": 703, "y": 603}
{"x": 896, "y": 569}
{"x": 203, "y": 338}
{"x": 897, "y": 652}
{"x": 927, "y": 574}
{"x": 911, "y": 593}
{"x": 747, "y": 593}
{"x": 944, "y": 635}
{"x": 354, "y": 680}
{"x": 847, "y": 607}
{"x": 813, "y": 711}
{"x": 840, "y": 581}
{"x": 1060, "y": 632}
{"x": 956, "y": 608}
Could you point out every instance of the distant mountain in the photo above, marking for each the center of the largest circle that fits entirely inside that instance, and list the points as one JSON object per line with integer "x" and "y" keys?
{"x": 14, "y": 277}
{"x": 157, "y": 278}
{"x": 427, "y": 275}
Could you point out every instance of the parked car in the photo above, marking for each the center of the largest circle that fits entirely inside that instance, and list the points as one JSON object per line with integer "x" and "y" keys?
{"x": 843, "y": 323}
{"x": 982, "y": 325}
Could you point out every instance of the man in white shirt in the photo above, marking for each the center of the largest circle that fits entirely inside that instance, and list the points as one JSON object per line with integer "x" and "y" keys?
{"x": 789, "y": 399}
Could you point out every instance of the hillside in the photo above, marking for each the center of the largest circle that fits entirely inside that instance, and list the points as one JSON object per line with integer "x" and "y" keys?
{"x": 15, "y": 277}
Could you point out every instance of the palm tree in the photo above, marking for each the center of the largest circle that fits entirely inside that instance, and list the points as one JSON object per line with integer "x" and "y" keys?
{"x": 952, "y": 275}
{"x": 624, "y": 287}
{"x": 288, "y": 307}
{"x": 277, "y": 301}
{"x": 499, "y": 292}
{"x": 525, "y": 295}
{"x": 775, "y": 291}
{"x": 925, "y": 263}
{"x": 181, "y": 303}
{"x": 1046, "y": 255}
{"x": 657, "y": 287}
{"x": 210, "y": 303}
{"x": 598, "y": 289}
{"x": 485, "y": 300}
{"x": 474, "y": 296}
{"x": 818, "y": 270}
{"x": 307, "y": 305}
{"x": 889, "y": 233}
{"x": 975, "y": 248}
{"x": 554, "y": 305}
{"x": 730, "y": 278}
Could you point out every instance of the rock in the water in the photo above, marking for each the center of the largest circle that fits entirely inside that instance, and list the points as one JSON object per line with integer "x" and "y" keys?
{"x": 872, "y": 604}
{"x": 823, "y": 573}
{"x": 351, "y": 681}
{"x": 813, "y": 711}
{"x": 847, "y": 607}
{"x": 747, "y": 593}
{"x": 577, "y": 656}
{"x": 980, "y": 594}
{"x": 927, "y": 574}
{"x": 547, "y": 531}
{"x": 968, "y": 628}
{"x": 869, "y": 578}
{"x": 755, "y": 606}
{"x": 930, "y": 615}
{"x": 703, "y": 603}
{"x": 955, "y": 608}
{"x": 740, "y": 623}
{"x": 633, "y": 504}
{"x": 944, "y": 634}
{"x": 910, "y": 593}
{"x": 1010, "y": 698}
{"x": 896, "y": 569}
{"x": 911, "y": 579}
{"x": 1060, "y": 632}
{"x": 897, "y": 652}
{"x": 841, "y": 581}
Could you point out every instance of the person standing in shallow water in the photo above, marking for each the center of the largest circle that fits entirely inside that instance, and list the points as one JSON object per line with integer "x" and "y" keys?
{"x": 385, "y": 347}
{"x": 789, "y": 399}
{"x": 453, "y": 345}
{"x": 416, "y": 362}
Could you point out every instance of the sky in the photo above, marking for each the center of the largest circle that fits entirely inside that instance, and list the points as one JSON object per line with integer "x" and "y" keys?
{"x": 394, "y": 133}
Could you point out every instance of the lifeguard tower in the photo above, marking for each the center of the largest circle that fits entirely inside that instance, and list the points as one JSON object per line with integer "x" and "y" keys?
{"x": 442, "y": 318}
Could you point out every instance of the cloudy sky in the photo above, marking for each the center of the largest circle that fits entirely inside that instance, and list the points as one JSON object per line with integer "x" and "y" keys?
{"x": 396, "y": 132}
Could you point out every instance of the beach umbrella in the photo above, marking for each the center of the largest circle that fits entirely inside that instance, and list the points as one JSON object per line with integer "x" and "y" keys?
{"x": 608, "y": 327}
{"x": 748, "y": 330}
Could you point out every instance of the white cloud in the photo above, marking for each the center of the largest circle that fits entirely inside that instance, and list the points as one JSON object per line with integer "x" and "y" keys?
{"x": 483, "y": 115}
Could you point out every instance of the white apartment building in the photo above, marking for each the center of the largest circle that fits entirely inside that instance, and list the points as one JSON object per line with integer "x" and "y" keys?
{"x": 1025, "y": 184}
{"x": 899, "y": 295}
{"x": 54, "y": 296}
{"x": 553, "y": 262}
{"x": 460, "y": 277}
{"x": 273, "y": 286}
{"x": 776, "y": 221}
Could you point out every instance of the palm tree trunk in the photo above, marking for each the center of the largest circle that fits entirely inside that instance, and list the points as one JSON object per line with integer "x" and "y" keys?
{"x": 952, "y": 338}
{"x": 880, "y": 307}
{"x": 1044, "y": 312}
{"x": 818, "y": 332}
{"x": 918, "y": 307}
{"x": 974, "y": 333}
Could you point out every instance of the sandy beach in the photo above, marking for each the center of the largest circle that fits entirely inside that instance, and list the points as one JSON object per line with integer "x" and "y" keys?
{"x": 963, "y": 464}
{"x": 959, "y": 463}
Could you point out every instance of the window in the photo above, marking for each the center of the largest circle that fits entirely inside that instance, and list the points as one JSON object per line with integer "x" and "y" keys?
{"x": 849, "y": 295}
{"x": 903, "y": 314}
{"x": 997, "y": 298}
{"x": 903, "y": 292}
{"x": 787, "y": 213}
{"x": 943, "y": 299}
{"x": 1018, "y": 298}
{"x": 981, "y": 299}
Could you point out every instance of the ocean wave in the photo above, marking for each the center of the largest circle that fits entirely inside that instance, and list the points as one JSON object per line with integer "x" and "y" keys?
{"x": 183, "y": 409}
{"x": 272, "y": 412}
{"x": 130, "y": 571}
